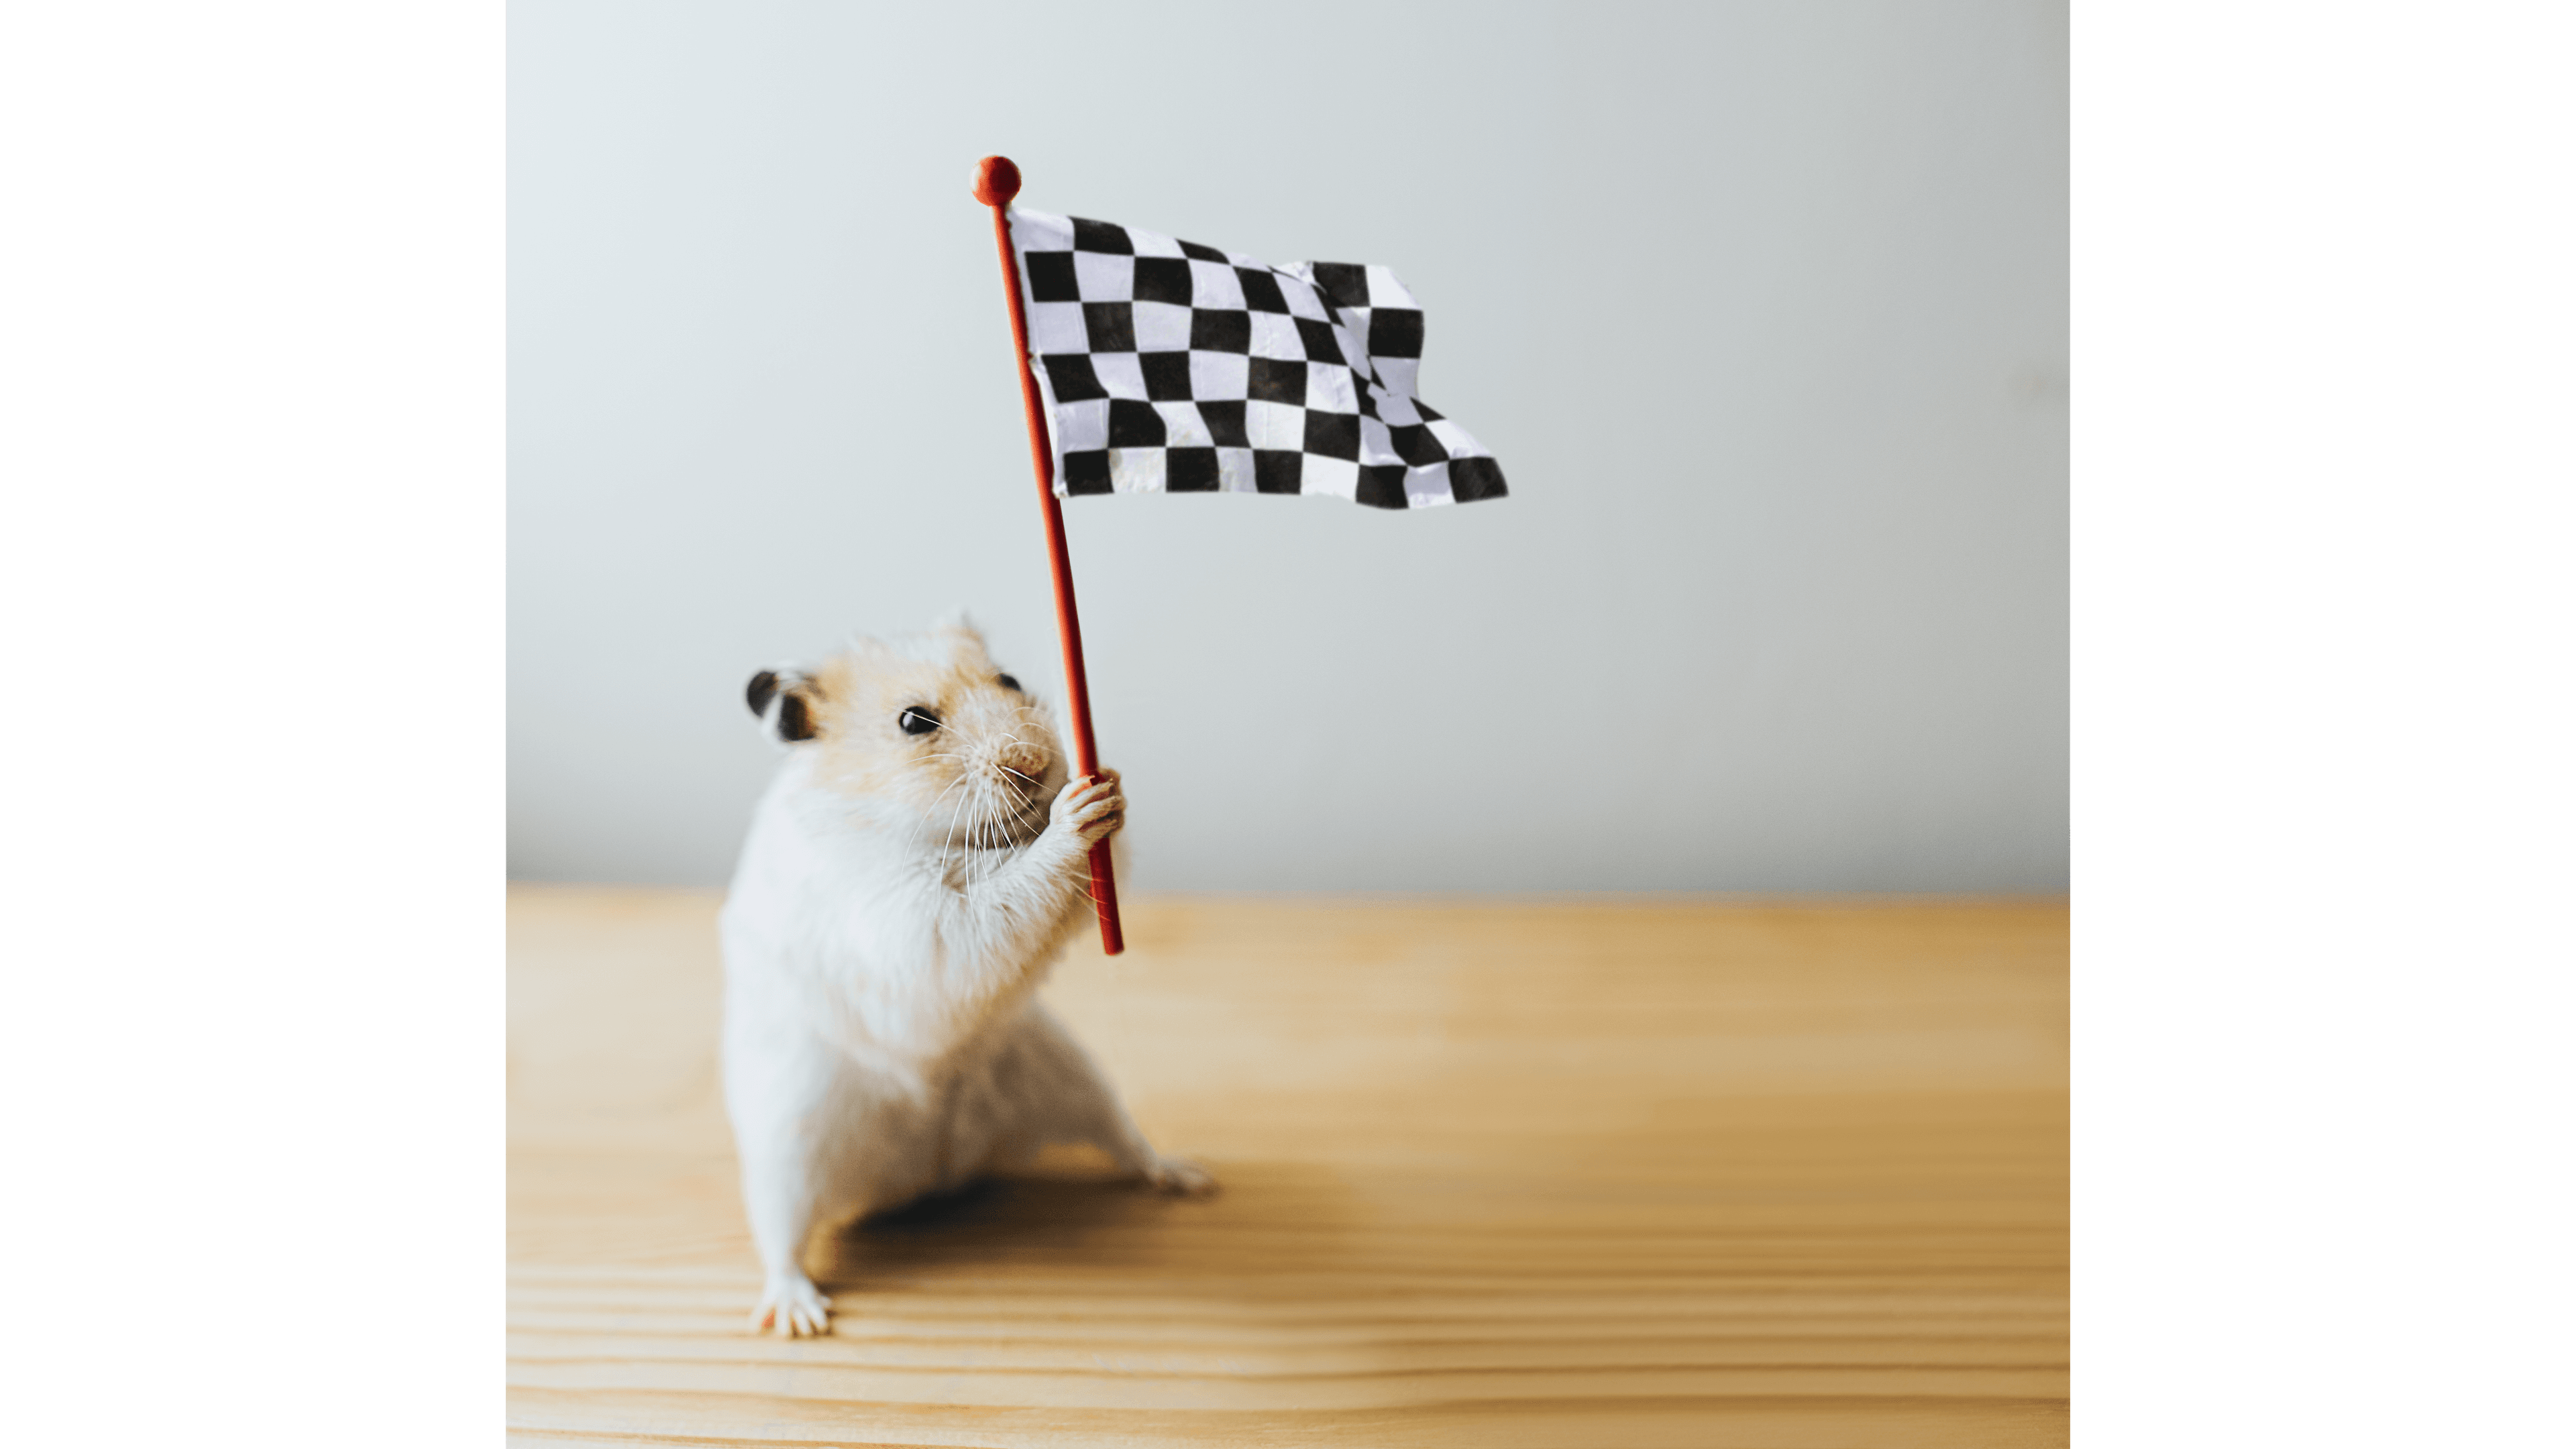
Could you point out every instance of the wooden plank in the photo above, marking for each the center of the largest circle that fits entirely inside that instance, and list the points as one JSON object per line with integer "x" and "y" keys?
{"x": 1495, "y": 1173}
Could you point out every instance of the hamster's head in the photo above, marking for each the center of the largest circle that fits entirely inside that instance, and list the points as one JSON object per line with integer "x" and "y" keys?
{"x": 923, "y": 731}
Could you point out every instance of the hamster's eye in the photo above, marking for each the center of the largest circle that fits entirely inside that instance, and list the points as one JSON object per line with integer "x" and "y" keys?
{"x": 1010, "y": 684}
{"x": 917, "y": 720}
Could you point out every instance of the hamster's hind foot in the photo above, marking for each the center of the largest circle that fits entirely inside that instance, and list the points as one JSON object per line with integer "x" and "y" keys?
{"x": 793, "y": 1306}
{"x": 1180, "y": 1177}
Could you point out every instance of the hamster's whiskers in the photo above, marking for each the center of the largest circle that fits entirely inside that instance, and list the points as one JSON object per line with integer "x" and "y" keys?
{"x": 948, "y": 838}
{"x": 1024, "y": 815}
{"x": 942, "y": 870}
{"x": 997, "y": 812}
{"x": 993, "y": 817}
{"x": 969, "y": 766}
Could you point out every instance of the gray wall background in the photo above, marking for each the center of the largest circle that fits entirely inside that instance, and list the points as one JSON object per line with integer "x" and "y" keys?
{"x": 1763, "y": 307}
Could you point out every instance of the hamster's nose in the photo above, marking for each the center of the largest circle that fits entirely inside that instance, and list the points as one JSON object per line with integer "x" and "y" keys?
{"x": 1021, "y": 764}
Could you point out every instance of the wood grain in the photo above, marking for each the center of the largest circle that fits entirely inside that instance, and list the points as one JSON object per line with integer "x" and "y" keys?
{"x": 1600, "y": 1173}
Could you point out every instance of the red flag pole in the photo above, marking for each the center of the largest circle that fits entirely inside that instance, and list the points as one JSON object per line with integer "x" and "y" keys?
{"x": 996, "y": 182}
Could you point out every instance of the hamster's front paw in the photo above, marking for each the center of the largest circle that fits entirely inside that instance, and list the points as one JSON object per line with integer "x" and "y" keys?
{"x": 1092, "y": 809}
{"x": 794, "y": 1306}
{"x": 1180, "y": 1177}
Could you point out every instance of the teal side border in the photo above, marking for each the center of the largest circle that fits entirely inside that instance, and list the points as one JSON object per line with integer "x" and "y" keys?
{"x": 251, "y": 555}
{"x": 2322, "y": 723}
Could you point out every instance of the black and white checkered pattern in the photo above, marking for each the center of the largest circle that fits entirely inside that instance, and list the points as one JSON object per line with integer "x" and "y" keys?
{"x": 1171, "y": 367}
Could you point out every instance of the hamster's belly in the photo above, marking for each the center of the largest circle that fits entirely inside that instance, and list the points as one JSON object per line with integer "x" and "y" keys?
{"x": 895, "y": 1146}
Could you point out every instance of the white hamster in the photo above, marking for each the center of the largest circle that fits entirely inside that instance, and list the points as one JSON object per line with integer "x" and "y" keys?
{"x": 912, "y": 872}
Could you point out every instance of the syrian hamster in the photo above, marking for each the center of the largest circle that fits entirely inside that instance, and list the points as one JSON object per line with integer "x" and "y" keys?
{"x": 911, "y": 874}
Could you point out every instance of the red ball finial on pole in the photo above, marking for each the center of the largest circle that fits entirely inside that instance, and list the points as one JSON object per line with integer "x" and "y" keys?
{"x": 996, "y": 181}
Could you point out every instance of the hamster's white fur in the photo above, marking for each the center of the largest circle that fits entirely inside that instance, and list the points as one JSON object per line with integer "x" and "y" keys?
{"x": 897, "y": 903}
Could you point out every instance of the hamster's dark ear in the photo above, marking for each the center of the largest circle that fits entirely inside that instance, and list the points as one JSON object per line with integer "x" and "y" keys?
{"x": 784, "y": 701}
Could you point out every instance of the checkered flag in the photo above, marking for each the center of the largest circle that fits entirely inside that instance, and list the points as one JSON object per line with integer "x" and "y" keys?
{"x": 1170, "y": 367}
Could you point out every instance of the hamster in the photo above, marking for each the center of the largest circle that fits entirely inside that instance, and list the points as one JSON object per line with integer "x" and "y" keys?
{"x": 911, "y": 874}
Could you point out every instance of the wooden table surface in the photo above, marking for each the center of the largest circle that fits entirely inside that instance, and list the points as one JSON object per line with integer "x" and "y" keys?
{"x": 1497, "y": 1174}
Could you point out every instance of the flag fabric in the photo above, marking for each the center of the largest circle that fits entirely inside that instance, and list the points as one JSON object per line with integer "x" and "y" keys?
{"x": 1170, "y": 367}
